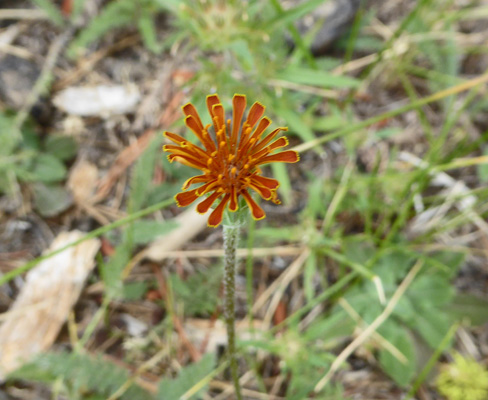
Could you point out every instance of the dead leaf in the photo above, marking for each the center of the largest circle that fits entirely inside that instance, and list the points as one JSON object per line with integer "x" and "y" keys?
{"x": 82, "y": 182}
{"x": 42, "y": 307}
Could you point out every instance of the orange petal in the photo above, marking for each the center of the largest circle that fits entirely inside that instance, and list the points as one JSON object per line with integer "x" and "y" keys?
{"x": 186, "y": 160}
{"x": 260, "y": 145}
{"x": 277, "y": 144}
{"x": 195, "y": 179}
{"x": 212, "y": 99}
{"x": 184, "y": 199}
{"x": 263, "y": 191}
{"x": 233, "y": 206}
{"x": 270, "y": 183}
{"x": 174, "y": 137}
{"x": 189, "y": 109}
{"x": 216, "y": 217}
{"x": 200, "y": 133}
{"x": 207, "y": 187}
{"x": 263, "y": 124}
{"x": 238, "y": 108}
{"x": 255, "y": 113}
{"x": 203, "y": 207}
{"x": 189, "y": 150}
{"x": 257, "y": 212}
{"x": 288, "y": 156}
{"x": 219, "y": 113}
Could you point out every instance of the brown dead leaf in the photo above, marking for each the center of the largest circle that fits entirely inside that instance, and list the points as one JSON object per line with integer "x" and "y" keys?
{"x": 82, "y": 182}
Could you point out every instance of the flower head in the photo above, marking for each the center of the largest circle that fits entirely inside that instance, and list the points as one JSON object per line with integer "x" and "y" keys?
{"x": 230, "y": 159}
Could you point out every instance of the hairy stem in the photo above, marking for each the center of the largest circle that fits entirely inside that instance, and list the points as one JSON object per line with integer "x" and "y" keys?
{"x": 231, "y": 236}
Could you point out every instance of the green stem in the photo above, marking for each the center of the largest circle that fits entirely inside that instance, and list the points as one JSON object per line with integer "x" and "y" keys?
{"x": 231, "y": 237}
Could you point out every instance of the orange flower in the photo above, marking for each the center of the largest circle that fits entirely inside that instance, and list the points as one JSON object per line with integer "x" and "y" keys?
{"x": 229, "y": 160}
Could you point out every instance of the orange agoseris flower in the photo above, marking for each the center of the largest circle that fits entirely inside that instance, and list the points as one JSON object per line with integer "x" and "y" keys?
{"x": 230, "y": 157}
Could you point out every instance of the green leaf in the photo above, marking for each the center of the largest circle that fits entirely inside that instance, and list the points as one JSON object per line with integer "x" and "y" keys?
{"x": 51, "y": 10}
{"x": 114, "y": 15}
{"x": 9, "y": 137}
{"x": 243, "y": 54}
{"x": 141, "y": 177}
{"x": 324, "y": 79}
{"x": 327, "y": 123}
{"x": 145, "y": 231}
{"x": 198, "y": 293}
{"x": 111, "y": 271}
{"x": 466, "y": 307}
{"x": 50, "y": 200}
{"x": 187, "y": 379}
{"x": 432, "y": 290}
{"x": 431, "y": 323}
{"x": 82, "y": 373}
{"x": 280, "y": 173}
{"x": 134, "y": 290}
{"x": 47, "y": 168}
{"x": 297, "y": 12}
{"x": 399, "y": 337}
{"x": 483, "y": 168}
{"x": 60, "y": 146}
{"x": 296, "y": 124}
{"x": 309, "y": 275}
{"x": 148, "y": 32}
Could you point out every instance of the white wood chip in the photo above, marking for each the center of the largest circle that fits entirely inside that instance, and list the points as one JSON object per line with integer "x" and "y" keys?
{"x": 42, "y": 307}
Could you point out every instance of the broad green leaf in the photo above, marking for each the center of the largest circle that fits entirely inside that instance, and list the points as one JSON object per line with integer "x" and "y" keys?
{"x": 9, "y": 137}
{"x": 61, "y": 147}
{"x": 399, "y": 337}
{"x": 198, "y": 293}
{"x": 135, "y": 290}
{"x": 335, "y": 326}
{"x": 188, "y": 378}
{"x": 111, "y": 272}
{"x": 145, "y": 231}
{"x": 50, "y": 200}
{"x": 431, "y": 323}
{"x": 47, "y": 168}
{"x": 431, "y": 290}
{"x": 82, "y": 373}
{"x": 466, "y": 307}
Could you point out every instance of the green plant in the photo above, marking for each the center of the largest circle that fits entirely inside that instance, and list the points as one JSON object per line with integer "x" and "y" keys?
{"x": 82, "y": 376}
{"x": 118, "y": 14}
{"x": 462, "y": 379}
{"x": 25, "y": 158}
